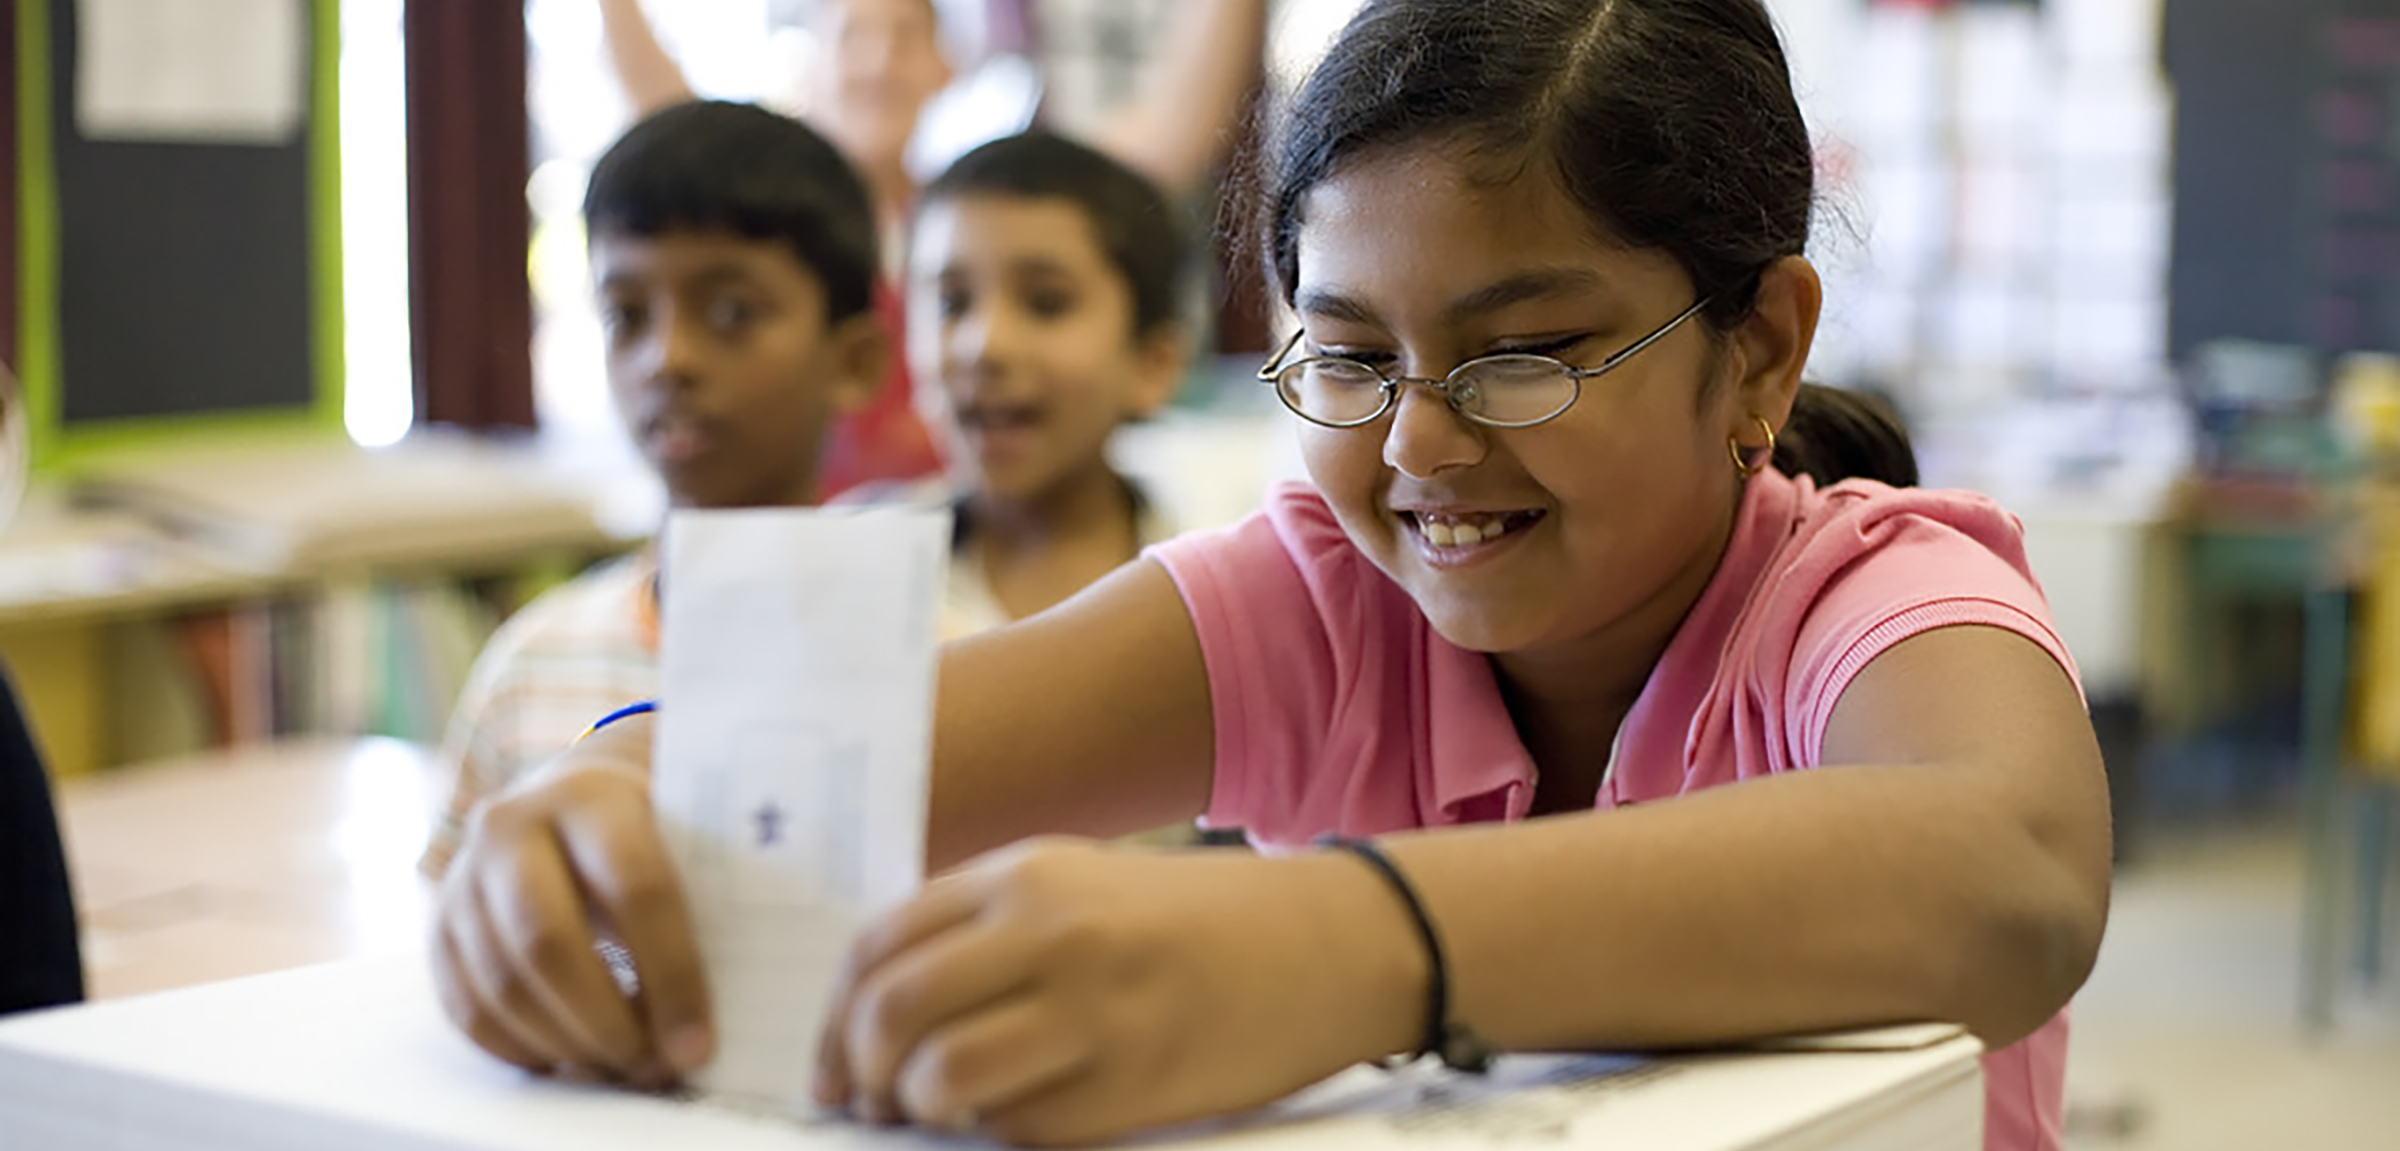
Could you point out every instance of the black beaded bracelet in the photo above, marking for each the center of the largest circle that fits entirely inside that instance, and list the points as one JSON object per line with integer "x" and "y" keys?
{"x": 1455, "y": 1044}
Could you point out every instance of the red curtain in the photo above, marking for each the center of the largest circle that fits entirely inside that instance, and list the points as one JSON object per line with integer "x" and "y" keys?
{"x": 470, "y": 305}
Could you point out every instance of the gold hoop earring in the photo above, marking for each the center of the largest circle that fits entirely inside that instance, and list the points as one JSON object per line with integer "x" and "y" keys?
{"x": 1744, "y": 464}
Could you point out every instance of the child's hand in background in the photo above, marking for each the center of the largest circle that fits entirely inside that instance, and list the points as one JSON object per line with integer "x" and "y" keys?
{"x": 548, "y": 865}
{"x": 1061, "y": 991}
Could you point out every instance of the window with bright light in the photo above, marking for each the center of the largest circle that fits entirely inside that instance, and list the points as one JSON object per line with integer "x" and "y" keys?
{"x": 378, "y": 397}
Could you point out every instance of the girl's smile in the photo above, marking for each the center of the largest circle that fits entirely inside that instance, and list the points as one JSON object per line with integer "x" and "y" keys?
{"x": 1454, "y": 536}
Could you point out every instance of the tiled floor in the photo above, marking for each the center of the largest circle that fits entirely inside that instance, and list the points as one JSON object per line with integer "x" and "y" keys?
{"x": 2186, "y": 1037}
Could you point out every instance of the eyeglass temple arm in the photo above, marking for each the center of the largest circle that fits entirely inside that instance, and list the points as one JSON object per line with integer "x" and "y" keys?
{"x": 1644, "y": 342}
{"x": 1274, "y": 364}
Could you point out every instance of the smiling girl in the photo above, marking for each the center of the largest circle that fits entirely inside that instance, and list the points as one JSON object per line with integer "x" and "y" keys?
{"x": 1640, "y": 730}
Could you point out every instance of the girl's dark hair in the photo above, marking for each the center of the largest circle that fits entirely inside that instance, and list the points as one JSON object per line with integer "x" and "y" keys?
{"x": 1138, "y": 229}
{"x": 711, "y": 165}
{"x": 1835, "y": 435}
{"x": 1672, "y": 122}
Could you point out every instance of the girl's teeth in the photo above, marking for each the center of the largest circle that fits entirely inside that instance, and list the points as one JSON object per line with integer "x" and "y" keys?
{"x": 1462, "y": 533}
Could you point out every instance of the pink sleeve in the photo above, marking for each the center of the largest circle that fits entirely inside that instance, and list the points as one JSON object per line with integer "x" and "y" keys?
{"x": 1899, "y": 570}
{"x": 1241, "y": 587}
{"x": 1267, "y": 597}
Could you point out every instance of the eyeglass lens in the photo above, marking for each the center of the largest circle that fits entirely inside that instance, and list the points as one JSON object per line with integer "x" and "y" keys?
{"x": 1502, "y": 389}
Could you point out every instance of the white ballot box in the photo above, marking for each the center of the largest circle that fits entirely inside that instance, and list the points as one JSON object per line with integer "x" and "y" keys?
{"x": 357, "y": 1056}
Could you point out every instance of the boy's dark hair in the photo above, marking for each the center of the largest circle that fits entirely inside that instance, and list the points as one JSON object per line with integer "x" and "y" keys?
{"x": 717, "y": 166}
{"x": 1672, "y": 122}
{"x": 1138, "y": 229}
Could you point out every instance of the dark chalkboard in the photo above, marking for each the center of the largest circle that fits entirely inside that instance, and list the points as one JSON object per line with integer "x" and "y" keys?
{"x": 189, "y": 284}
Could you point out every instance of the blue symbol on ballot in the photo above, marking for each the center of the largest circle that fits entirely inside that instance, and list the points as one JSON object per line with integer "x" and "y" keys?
{"x": 770, "y": 824}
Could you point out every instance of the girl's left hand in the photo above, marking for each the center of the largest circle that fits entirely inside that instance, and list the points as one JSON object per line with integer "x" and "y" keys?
{"x": 1065, "y": 991}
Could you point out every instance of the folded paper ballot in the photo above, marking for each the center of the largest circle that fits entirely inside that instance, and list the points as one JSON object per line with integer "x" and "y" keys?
{"x": 357, "y": 1056}
{"x": 793, "y": 747}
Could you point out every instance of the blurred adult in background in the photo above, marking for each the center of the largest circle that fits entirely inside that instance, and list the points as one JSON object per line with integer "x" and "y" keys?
{"x": 878, "y": 65}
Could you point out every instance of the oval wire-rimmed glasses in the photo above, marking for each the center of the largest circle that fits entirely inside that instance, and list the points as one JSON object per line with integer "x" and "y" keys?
{"x": 1507, "y": 390}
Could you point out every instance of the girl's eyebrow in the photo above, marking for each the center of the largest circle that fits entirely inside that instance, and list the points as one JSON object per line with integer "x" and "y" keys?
{"x": 1534, "y": 284}
{"x": 1333, "y": 304}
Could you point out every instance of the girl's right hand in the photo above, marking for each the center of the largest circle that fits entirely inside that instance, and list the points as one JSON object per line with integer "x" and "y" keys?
{"x": 548, "y": 867}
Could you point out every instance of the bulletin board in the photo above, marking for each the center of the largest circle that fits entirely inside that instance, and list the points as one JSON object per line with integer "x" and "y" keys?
{"x": 179, "y": 273}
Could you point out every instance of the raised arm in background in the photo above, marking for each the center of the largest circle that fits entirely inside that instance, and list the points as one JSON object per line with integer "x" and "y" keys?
{"x": 650, "y": 78}
{"x": 1179, "y": 125}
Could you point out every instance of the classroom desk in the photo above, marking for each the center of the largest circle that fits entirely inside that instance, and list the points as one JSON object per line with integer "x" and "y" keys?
{"x": 266, "y": 523}
{"x": 232, "y": 536}
{"x": 60, "y": 564}
{"x": 247, "y": 860}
